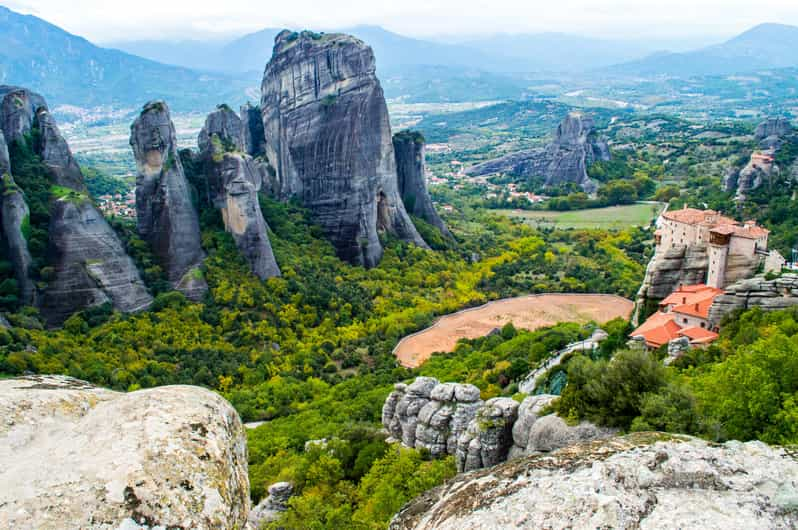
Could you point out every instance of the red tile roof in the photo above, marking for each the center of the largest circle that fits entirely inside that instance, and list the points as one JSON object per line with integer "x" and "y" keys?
{"x": 749, "y": 231}
{"x": 698, "y": 335}
{"x": 659, "y": 329}
{"x": 695, "y": 216}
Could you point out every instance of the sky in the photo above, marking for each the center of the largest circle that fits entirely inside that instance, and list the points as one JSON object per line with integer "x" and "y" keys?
{"x": 114, "y": 20}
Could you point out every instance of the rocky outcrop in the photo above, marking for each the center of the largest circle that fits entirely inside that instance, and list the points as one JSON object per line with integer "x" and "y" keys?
{"x": 253, "y": 136}
{"x": 430, "y": 415}
{"x": 270, "y": 508}
{"x": 643, "y": 480}
{"x": 329, "y": 139}
{"x": 489, "y": 436}
{"x": 18, "y": 107}
{"x": 411, "y": 172}
{"x": 771, "y": 132}
{"x": 770, "y": 295}
{"x": 167, "y": 219}
{"x": 90, "y": 265}
{"x": 681, "y": 264}
{"x": 76, "y": 456}
{"x": 56, "y": 155}
{"x": 14, "y": 214}
{"x": 451, "y": 419}
{"x": 234, "y": 181}
{"x": 5, "y": 161}
{"x": 574, "y": 149}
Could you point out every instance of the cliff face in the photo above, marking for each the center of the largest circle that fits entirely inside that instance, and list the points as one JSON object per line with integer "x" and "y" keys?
{"x": 328, "y": 136}
{"x": 234, "y": 181}
{"x": 13, "y": 214}
{"x": 410, "y": 170}
{"x": 167, "y": 219}
{"x": 643, "y": 480}
{"x": 450, "y": 418}
{"x": 685, "y": 264}
{"x": 76, "y": 456}
{"x": 91, "y": 266}
{"x": 770, "y": 295}
{"x": 769, "y": 133}
{"x": 574, "y": 149}
{"x": 88, "y": 261}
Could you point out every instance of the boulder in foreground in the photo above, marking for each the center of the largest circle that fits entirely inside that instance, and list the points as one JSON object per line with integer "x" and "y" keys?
{"x": 76, "y": 456}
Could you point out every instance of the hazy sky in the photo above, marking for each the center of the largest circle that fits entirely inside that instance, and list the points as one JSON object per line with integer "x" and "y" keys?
{"x": 109, "y": 20}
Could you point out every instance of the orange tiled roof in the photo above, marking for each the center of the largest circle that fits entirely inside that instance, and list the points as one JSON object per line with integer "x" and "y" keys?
{"x": 659, "y": 329}
{"x": 695, "y": 216}
{"x": 698, "y": 335}
{"x": 749, "y": 231}
{"x": 690, "y": 294}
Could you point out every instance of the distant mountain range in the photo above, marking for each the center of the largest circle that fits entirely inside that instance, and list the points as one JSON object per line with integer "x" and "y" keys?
{"x": 196, "y": 75}
{"x": 763, "y": 47}
{"x": 67, "y": 69}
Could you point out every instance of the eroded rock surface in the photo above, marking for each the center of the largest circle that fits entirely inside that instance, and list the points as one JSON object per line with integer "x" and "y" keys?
{"x": 574, "y": 149}
{"x": 411, "y": 172}
{"x": 14, "y": 213}
{"x": 167, "y": 219}
{"x": 430, "y": 415}
{"x": 90, "y": 265}
{"x": 234, "y": 180}
{"x": 772, "y": 131}
{"x": 489, "y": 436}
{"x": 328, "y": 137}
{"x": 270, "y": 508}
{"x": 76, "y": 456}
{"x": 770, "y": 295}
{"x": 644, "y": 480}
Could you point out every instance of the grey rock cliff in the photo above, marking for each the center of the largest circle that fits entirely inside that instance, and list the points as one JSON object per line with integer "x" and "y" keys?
{"x": 5, "y": 161}
{"x": 91, "y": 266}
{"x": 410, "y": 170}
{"x": 430, "y": 415}
{"x": 328, "y": 136}
{"x": 489, "y": 436}
{"x": 681, "y": 264}
{"x": 56, "y": 155}
{"x": 565, "y": 160}
{"x": 167, "y": 219}
{"x": 233, "y": 183}
{"x": 770, "y": 295}
{"x": 772, "y": 131}
{"x": 644, "y": 480}
{"x": 76, "y": 456}
{"x": 13, "y": 214}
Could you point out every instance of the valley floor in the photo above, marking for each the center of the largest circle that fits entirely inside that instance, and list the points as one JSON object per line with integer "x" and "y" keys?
{"x": 611, "y": 217}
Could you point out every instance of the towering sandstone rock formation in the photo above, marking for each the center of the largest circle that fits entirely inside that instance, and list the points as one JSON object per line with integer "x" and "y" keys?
{"x": 328, "y": 136}
{"x": 89, "y": 264}
{"x": 566, "y": 160}
{"x": 234, "y": 180}
{"x": 770, "y": 295}
{"x": 76, "y": 456}
{"x": 643, "y": 480}
{"x": 410, "y": 170}
{"x": 167, "y": 219}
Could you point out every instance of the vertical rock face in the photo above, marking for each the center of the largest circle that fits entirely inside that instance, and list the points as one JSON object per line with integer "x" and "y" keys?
{"x": 489, "y": 436}
{"x": 685, "y": 264}
{"x": 5, "y": 161}
{"x": 770, "y": 295}
{"x": 234, "y": 181}
{"x": 254, "y": 137}
{"x": 430, "y": 415}
{"x": 167, "y": 219}
{"x": 14, "y": 214}
{"x": 56, "y": 155}
{"x": 91, "y": 266}
{"x": 410, "y": 170}
{"x": 575, "y": 148}
{"x": 770, "y": 132}
{"x": 328, "y": 136}
{"x": 89, "y": 263}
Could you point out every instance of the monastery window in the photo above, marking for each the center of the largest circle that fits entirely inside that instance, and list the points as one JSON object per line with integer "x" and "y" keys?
{"x": 684, "y": 320}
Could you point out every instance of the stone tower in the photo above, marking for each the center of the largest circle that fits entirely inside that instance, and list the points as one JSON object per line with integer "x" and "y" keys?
{"x": 719, "y": 240}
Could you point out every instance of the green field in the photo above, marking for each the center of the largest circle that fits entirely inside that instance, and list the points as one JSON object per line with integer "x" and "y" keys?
{"x": 612, "y": 217}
